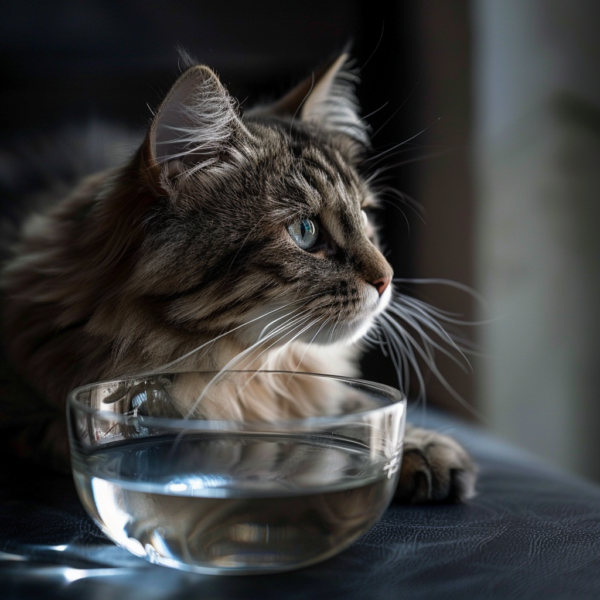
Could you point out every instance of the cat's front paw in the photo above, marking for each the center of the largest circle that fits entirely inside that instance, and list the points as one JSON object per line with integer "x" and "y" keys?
{"x": 435, "y": 468}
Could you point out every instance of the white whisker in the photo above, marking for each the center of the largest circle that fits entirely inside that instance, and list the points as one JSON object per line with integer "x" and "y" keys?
{"x": 310, "y": 343}
{"x": 425, "y": 352}
{"x": 236, "y": 359}
{"x": 418, "y": 321}
{"x": 438, "y": 281}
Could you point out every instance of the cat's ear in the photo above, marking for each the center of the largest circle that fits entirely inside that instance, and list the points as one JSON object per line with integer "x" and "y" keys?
{"x": 193, "y": 125}
{"x": 327, "y": 99}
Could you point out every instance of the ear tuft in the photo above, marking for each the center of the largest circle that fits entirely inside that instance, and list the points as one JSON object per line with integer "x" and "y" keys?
{"x": 327, "y": 99}
{"x": 194, "y": 123}
{"x": 332, "y": 102}
{"x": 186, "y": 60}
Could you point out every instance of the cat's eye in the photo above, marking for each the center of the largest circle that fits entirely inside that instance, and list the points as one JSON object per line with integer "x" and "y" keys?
{"x": 304, "y": 232}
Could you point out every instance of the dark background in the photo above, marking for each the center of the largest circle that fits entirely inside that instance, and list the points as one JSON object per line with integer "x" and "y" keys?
{"x": 68, "y": 61}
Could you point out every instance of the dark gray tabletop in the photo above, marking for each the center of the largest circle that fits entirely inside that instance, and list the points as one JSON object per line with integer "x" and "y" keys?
{"x": 532, "y": 532}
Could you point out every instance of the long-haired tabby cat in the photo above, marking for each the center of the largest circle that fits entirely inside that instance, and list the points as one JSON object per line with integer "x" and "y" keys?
{"x": 244, "y": 235}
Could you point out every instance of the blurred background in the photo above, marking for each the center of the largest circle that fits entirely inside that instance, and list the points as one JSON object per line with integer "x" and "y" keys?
{"x": 498, "y": 103}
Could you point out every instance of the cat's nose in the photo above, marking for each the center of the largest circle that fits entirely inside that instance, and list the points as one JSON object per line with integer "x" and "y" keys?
{"x": 381, "y": 284}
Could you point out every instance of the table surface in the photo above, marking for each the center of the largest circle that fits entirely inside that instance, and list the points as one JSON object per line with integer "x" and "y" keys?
{"x": 533, "y": 531}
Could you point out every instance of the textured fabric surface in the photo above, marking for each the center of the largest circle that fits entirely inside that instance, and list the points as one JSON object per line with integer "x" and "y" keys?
{"x": 531, "y": 532}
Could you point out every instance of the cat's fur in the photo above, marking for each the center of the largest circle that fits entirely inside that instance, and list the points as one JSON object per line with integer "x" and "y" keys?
{"x": 186, "y": 245}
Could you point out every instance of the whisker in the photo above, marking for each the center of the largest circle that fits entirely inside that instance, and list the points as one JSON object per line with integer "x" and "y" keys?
{"x": 236, "y": 359}
{"x": 380, "y": 154}
{"x": 207, "y": 345}
{"x": 300, "y": 323}
{"x": 426, "y": 354}
{"x": 167, "y": 366}
{"x": 314, "y": 337}
{"x": 414, "y": 308}
{"x": 332, "y": 332}
{"x": 439, "y": 281}
{"x": 405, "y": 355}
{"x": 429, "y": 341}
{"x": 284, "y": 346}
{"x": 397, "y": 110}
{"x": 262, "y": 352}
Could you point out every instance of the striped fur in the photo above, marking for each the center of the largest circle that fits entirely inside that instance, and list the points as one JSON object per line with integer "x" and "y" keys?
{"x": 186, "y": 246}
{"x": 180, "y": 259}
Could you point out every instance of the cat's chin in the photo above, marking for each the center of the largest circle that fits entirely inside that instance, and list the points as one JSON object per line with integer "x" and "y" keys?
{"x": 360, "y": 331}
{"x": 343, "y": 334}
{"x": 352, "y": 332}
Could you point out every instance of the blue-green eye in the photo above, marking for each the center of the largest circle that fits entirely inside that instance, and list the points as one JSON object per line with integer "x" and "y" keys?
{"x": 305, "y": 233}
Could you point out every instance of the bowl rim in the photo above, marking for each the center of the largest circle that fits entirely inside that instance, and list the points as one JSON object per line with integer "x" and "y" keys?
{"x": 395, "y": 397}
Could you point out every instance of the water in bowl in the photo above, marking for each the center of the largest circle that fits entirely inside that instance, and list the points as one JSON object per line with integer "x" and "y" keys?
{"x": 233, "y": 503}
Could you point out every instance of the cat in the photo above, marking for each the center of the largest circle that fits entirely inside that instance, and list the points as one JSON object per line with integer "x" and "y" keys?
{"x": 246, "y": 235}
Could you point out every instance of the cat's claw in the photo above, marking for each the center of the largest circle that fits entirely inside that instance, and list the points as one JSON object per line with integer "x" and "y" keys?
{"x": 435, "y": 468}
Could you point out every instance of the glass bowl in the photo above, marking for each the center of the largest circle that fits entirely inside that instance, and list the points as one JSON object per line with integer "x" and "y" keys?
{"x": 167, "y": 468}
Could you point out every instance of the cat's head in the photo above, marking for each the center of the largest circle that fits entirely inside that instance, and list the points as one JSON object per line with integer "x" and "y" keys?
{"x": 259, "y": 219}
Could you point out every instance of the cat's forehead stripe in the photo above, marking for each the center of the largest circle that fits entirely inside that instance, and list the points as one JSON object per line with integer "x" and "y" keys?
{"x": 302, "y": 145}
{"x": 334, "y": 174}
{"x": 320, "y": 180}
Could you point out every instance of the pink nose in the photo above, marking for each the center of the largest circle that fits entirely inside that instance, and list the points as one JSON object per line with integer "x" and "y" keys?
{"x": 381, "y": 284}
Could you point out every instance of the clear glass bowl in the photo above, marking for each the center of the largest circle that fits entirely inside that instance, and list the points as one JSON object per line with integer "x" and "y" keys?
{"x": 167, "y": 477}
